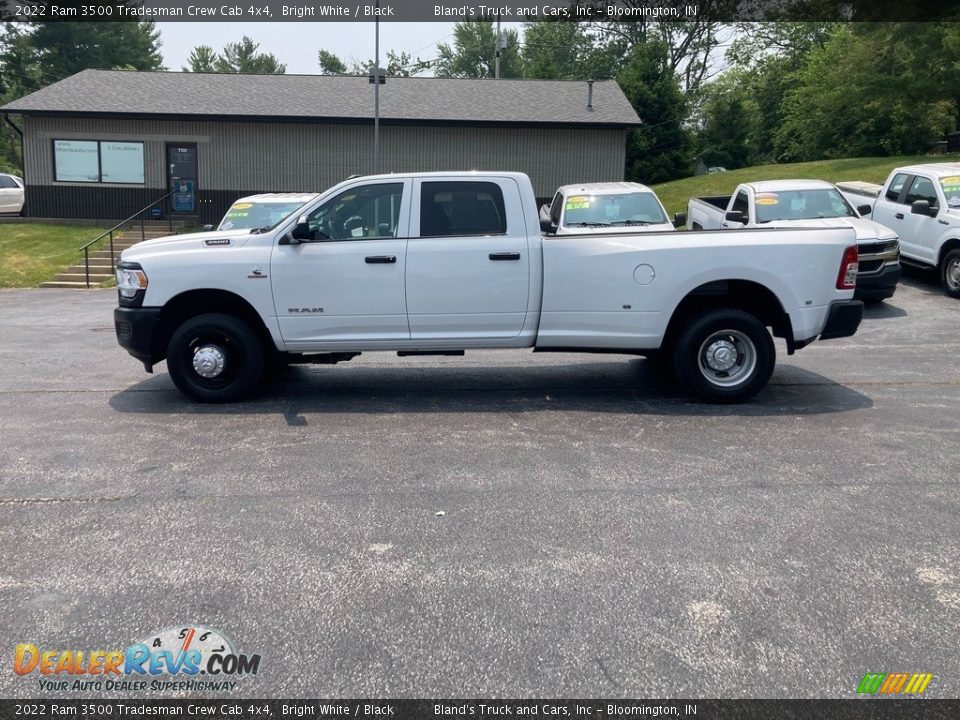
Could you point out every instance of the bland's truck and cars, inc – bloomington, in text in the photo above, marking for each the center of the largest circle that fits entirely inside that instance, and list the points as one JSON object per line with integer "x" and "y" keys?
{"x": 441, "y": 263}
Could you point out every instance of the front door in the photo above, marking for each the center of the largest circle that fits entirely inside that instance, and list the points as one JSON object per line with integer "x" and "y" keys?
{"x": 346, "y": 284}
{"x": 468, "y": 269}
{"x": 182, "y": 177}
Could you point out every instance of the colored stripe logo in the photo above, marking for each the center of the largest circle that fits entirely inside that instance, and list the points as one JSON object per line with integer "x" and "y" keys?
{"x": 894, "y": 683}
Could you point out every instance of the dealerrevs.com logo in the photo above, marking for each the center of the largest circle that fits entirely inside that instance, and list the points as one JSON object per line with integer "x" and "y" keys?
{"x": 190, "y": 657}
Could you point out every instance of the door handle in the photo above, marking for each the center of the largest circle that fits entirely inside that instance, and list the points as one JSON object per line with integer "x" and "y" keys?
{"x": 505, "y": 256}
{"x": 375, "y": 259}
{"x": 899, "y": 216}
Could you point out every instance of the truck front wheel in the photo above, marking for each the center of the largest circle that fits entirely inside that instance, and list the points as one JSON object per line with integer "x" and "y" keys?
{"x": 215, "y": 358}
{"x": 950, "y": 273}
{"x": 724, "y": 356}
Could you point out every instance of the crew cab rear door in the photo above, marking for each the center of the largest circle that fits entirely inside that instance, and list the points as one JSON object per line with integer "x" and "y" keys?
{"x": 468, "y": 262}
{"x": 346, "y": 284}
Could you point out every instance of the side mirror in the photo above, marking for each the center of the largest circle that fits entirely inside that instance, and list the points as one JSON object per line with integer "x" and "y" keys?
{"x": 548, "y": 227}
{"x": 301, "y": 231}
{"x": 736, "y": 216}
{"x": 679, "y": 219}
{"x": 864, "y": 209}
{"x": 922, "y": 207}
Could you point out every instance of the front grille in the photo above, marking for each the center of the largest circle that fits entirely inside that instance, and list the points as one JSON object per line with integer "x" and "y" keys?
{"x": 877, "y": 247}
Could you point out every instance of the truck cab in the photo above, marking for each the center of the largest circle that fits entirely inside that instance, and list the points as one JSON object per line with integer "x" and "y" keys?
{"x": 922, "y": 204}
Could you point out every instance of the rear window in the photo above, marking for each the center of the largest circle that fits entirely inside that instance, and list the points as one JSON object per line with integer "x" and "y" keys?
{"x": 461, "y": 208}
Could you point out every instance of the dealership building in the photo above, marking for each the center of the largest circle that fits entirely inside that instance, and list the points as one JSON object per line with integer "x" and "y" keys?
{"x": 104, "y": 143}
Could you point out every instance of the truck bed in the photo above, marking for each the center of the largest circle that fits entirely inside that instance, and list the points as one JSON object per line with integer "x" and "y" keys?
{"x": 718, "y": 201}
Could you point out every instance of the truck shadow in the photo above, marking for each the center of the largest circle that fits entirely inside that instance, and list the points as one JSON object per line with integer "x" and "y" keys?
{"x": 635, "y": 386}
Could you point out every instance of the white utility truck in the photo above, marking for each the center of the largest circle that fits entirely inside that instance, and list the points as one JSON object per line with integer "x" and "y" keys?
{"x": 806, "y": 203}
{"x": 440, "y": 263}
{"x": 922, "y": 204}
{"x": 608, "y": 207}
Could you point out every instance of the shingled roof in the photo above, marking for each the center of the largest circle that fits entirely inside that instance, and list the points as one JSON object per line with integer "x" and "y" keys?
{"x": 329, "y": 98}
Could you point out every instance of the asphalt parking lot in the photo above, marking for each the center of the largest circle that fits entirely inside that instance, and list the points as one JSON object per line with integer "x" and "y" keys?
{"x": 602, "y": 534}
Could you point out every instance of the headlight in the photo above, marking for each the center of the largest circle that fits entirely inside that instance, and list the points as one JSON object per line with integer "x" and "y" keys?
{"x": 131, "y": 279}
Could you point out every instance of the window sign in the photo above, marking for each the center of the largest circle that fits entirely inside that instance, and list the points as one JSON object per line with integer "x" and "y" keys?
{"x": 121, "y": 162}
{"x": 76, "y": 160}
{"x": 106, "y": 161}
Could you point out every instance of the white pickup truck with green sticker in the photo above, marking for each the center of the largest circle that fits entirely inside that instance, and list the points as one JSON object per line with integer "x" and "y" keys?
{"x": 604, "y": 207}
{"x": 922, "y": 204}
{"x": 806, "y": 203}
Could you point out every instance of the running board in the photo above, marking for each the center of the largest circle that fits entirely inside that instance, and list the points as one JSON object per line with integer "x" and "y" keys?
{"x": 418, "y": 353}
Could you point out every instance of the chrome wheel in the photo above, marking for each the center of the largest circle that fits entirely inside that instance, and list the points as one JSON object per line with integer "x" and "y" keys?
{"x": 727, "y": 358}
{"x": 951, "y": 274}
{"x": 209, "y": 361}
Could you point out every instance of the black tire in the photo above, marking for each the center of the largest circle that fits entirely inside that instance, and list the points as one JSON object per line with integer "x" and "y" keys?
{"x": 233, "y": 361}
{"x": 950, "y": 273}
{"x": 737, "y": 338}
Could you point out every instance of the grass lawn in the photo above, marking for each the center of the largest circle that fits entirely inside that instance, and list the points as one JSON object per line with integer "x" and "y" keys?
{"x": 31, "y": 253}
{"x": 676, "y": 193}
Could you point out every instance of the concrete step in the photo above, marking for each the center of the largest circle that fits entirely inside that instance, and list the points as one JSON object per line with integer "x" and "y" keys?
{"x": 95, "y": 278}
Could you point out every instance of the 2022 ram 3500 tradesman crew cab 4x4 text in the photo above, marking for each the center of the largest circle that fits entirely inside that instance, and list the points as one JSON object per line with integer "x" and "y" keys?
{"x": 440, "y": 263}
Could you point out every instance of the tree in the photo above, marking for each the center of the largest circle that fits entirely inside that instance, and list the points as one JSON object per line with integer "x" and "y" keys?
{"x": 660, "y": 149}
{"x": 868, "y": 91}
{"x": 398, "y": 65}
{"x": 473, "y": 54}
{"x": 202, "y": 59}
{"x": 65, "y": 48}
{"x": 330, "y": 64}
{"x": 555, "y": 51}
{"x": 727, "y": 120}
{"x": 242, "y": 57}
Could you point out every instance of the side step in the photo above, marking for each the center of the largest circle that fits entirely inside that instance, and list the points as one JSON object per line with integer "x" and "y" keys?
{"x": 418, "y": 353}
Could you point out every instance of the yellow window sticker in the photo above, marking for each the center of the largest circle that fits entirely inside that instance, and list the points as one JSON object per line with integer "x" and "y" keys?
{"x": 767, "y": 199}
{"x": 952, "y": 180}
{"x": 577, "y": 202}
{"x": 242, "y": 206}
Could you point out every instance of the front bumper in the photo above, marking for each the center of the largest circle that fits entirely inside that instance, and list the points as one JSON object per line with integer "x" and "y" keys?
{"x": 878, "y": 285}
{"x": 135, "y": 327}
{"x": 843, "y": 319}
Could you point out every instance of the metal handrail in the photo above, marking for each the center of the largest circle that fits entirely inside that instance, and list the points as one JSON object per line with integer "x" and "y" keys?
{"x": 111, "y": 231}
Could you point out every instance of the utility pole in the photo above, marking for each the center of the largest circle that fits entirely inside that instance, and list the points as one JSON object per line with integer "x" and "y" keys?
{"x": 497, "y": 53}
{"x": 376, "y": 91}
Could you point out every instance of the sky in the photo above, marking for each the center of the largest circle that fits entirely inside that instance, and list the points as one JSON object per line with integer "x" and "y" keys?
{"x": 296, "y": 44}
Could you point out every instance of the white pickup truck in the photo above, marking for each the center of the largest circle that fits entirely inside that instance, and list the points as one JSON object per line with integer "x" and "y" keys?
{"x": 440, "y": 263}
{"x": 922, "y": 204}
{"x": 806, "y": 203}
{"x": 608, "y": 207}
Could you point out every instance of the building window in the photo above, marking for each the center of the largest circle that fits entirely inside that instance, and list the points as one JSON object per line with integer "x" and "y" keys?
{"x": 95, "y": 161}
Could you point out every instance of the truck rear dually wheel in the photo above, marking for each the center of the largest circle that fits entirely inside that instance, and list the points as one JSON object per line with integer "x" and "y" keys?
{"x": 215, "y": 358}
{"x": 950, "y": 273}
{"x": 724, "y": 356}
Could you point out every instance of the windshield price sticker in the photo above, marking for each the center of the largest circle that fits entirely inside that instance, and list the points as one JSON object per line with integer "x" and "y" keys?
{"x": 767, "y": 199}
{"x": 578, "y": 203}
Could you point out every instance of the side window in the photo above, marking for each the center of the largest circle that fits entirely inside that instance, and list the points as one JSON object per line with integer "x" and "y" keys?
{"x": 922, "y": 189}
{"x": 893, "y": 192}
{"x": 360, "y": 213}
{"x": 556, "y": 209}
{"x": 461, "y": 208}
{"x": 7, "y": 183}
{"x": 741, "y": 204}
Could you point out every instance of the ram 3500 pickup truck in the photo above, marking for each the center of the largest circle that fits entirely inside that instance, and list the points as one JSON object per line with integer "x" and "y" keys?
{"x": 440, "y": 263}
{"x": 609, "y": 207}
{"x": 806, "y": 203}
{"x": 922, "y": 204}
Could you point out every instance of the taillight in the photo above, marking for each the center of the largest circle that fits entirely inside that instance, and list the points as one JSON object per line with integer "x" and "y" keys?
{"x": 847, "y": 277}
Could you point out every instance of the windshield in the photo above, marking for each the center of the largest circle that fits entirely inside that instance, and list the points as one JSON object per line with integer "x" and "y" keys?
{"x": 247, "y": 215}
{"x": 638, "y": 208}
{"x": 802, "y": 205}
{"x": 951, "y": 188}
